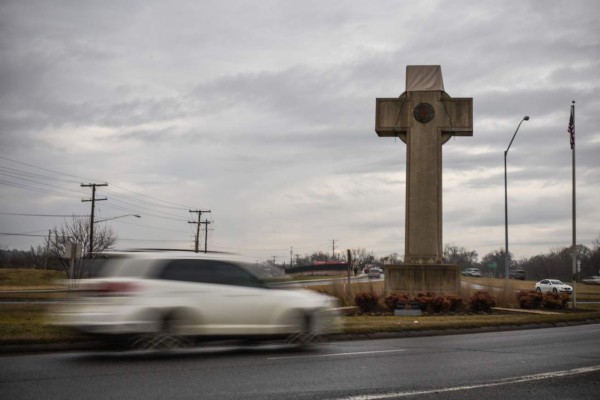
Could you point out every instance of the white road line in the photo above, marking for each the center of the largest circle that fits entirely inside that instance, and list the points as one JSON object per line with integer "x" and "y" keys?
{"x": 519, "y": 379}
{"x": 336, "y": 354}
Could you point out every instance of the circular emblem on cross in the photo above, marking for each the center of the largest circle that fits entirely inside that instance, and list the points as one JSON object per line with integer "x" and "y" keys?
{"x": 424, "y": 112}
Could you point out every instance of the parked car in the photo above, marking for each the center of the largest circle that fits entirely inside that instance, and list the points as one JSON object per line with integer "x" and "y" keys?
{"x": 153, "y": 300}
{"x": 553, "y": 285}
{"x": 472, "y": 272}
{"x": 367, "y": 268}
{"x": 375, "y": 273}
{"x": 517, "y": 274}
{"x": 591, "y": 280}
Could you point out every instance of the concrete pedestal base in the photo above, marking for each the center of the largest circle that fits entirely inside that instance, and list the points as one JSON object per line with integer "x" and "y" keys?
{"x": 412, "y": 279}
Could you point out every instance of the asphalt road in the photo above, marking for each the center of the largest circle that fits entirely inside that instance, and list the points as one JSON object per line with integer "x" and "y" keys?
{"x": 554, "y": 363}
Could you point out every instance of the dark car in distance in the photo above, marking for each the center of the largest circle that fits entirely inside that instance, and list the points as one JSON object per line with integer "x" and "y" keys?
{"x": 517, "y": 274}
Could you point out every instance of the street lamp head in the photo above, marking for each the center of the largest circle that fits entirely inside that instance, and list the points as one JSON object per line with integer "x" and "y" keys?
{"x": 526, "y": 118}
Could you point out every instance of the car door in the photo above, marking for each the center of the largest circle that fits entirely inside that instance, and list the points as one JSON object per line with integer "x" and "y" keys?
{"x": 242, "y": 304}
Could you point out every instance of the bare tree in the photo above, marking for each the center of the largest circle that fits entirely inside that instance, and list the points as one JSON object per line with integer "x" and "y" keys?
{"x": 74, "y": 232}
{"x": 393, "y": 258}
{"x": 458, "y": 255}
{"x": 361, "y": 257}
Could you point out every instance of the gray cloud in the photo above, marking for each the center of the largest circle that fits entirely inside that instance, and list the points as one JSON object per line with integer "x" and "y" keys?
{"x": 264, "y": 113}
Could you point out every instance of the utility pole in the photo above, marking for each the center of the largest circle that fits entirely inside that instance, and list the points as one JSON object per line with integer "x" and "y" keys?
{"x": 333, "y": 250}
{"x": 199, "y": 212}
{"x": 93, "y": 200}
{"x": 47, "y": 252}
{"x": 291, "y": 256}
{"x": 206, "y": 223}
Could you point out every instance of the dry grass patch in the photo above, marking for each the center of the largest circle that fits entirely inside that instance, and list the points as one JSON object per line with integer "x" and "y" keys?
{"x": 346, "y": 292}
{"x": 29, "y": 324}
{"x": 375, "y": 324}
{"x": 25, "y": 279}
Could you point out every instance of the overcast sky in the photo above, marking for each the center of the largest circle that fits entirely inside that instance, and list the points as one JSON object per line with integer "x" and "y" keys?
{"x": 263, "y": 112}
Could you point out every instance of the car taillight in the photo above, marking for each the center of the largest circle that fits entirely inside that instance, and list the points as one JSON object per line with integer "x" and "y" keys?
{"x": 114, "y": 289}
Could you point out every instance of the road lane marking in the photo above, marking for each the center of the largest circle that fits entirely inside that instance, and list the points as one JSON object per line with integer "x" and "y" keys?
{"x": 337, "y": 354}
{"x": 507, "y": 381}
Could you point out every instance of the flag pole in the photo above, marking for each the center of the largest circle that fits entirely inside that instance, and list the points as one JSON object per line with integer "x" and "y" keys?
{"x": 574, "y": 245}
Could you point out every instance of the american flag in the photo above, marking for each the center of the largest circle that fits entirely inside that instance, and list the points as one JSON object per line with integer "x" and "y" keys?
{"x": 571, "y": 128}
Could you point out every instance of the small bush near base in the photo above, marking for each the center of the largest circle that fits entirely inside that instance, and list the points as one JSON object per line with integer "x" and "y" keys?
{"x": 392, "y": 300}
{"x": 555, "y": 301}
{"x": 456, "y": 302}
{"x": 434, "y": 304}
{"x": 530, "y": 299}
{"x": 481, "y": 301}
{"x": 366, "y": 301}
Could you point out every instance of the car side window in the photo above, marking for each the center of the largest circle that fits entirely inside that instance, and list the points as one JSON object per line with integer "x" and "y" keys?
{"x": 209, "y": 271}
{"x": 187, "y": 271}
{"x": 231, "y": 274}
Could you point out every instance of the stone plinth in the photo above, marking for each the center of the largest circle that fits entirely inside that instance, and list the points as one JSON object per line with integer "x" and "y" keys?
{"x": 443, "y": 279}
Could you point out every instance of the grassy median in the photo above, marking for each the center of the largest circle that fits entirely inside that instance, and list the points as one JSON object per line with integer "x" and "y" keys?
{"x": 29, "y": 322}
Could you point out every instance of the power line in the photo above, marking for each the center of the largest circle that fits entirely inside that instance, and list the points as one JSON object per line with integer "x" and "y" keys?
{"x": 30, "y": 181}
{"x": 46, "y": 169}
{"x": 36, "y": 189}
{"x": 20, "y": 234}
{"x": 45, "y": 215}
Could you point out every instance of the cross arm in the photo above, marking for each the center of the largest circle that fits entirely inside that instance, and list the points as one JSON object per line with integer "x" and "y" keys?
{"x": 459, "y": 116}
{"x": 391, "y": 116}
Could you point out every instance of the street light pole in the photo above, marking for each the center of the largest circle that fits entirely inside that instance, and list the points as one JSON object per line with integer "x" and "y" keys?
{"x": 120, "y": 216}
{"x": 507, "y": 254}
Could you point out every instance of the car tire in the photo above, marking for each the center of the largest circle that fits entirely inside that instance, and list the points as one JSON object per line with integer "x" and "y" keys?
{"x": 539, "y": 290}
{"x": 304, "y": 336}
{"x": 165, "y": 338}
{"x": 554, "y": 291}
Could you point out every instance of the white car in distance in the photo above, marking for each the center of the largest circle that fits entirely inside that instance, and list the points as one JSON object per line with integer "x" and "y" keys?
{"x": 553, "y": 285}
{"x": 375, "y": 273}
{"x": 154, "y": 300}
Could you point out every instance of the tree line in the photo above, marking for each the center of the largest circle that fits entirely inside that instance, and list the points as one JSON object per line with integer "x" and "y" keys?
{"x": 557, "y": 263}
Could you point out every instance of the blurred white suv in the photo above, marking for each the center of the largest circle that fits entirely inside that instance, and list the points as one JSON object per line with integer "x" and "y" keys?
{"x": 152, "y": 300}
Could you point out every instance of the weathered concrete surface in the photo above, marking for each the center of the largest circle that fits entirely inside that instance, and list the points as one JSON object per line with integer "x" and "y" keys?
{"x": 420, "y": 278}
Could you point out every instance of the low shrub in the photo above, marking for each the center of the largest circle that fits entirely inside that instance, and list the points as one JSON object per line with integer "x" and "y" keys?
{"x": 433, "y": 304}
{"x": 425, "y": 302}
{"x": 366, "y": 301}
{"x": 530, "y": 299}
{"x": 555, "y": 301}
{"x": 456, "y": 302}
{"x": 392, "y": 300}
{"x": 481, "y": 301}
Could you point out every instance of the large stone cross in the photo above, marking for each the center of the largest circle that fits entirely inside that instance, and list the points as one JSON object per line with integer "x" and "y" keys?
{"x": 424, "y": 117}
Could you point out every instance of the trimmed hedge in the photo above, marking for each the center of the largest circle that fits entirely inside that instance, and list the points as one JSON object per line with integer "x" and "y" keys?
{"x": 531, "y": 300}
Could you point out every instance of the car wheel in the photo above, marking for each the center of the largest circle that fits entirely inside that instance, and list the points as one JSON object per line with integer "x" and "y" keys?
{"x": 539, "y": 290}
{"x": 554, "y": 291}
{"x": 304, "y": 335}
{"x": 166, "y": 337}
